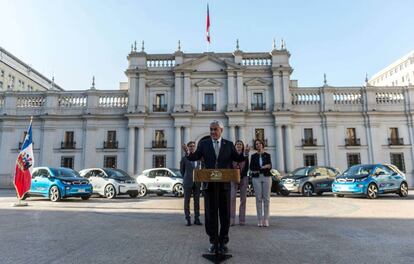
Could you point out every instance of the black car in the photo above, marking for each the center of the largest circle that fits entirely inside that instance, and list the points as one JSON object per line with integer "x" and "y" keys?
{"x": 276, "y": 188}
{"x": 310, "y": 180}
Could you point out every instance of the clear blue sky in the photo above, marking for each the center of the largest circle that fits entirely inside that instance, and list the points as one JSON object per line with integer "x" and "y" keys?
{"x": 75, "y": 39}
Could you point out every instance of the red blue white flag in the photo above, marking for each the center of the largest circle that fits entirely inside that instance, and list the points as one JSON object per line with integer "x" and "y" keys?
{"x": 208, "y": 26}
{"x": 24, "y": 165}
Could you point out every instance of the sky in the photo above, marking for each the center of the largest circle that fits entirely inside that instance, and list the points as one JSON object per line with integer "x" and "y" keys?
{"x": 74, "y": 40}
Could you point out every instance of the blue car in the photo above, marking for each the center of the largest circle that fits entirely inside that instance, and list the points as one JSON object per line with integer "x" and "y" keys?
{"x": 370, "y": 180}
{"x": 58, "y": 183}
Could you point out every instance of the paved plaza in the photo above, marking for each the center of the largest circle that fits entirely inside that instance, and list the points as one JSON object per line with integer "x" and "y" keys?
{"x": 151, "y": 230}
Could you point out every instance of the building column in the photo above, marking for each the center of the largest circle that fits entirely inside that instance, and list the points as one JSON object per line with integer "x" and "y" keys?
{"x": 177, "y": 91}
{"x": 232, "y": 134}
{"x": 242, "y": 135}
{"x": 279, "y": 150}
{"x": 177, "y": 145}
{"x": 141, "y": 93}
{"x": 187, "y": 135}
{"x": 187, "y": 89}
{"x": 289, "y": 148}
{"x": 132, "y": 94}
{"x": 141, "y": 150}
{"x": 240, "y": 90}
{"x": 131, "y": 150}
{"x": 230, "y": 90}
{"x": 277, "y": 94}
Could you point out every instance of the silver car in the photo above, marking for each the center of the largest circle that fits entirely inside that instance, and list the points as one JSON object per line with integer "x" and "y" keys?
{"x": 161, "y": 181}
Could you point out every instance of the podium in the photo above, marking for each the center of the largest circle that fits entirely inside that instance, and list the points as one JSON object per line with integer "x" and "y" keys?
{"x": 216, "y": 176}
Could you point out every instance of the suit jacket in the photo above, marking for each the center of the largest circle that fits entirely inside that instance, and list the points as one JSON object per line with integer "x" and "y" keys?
{"x": 255, "y": 165}
{"x": 186, "y": 169}
{"x": 227, "y": 154}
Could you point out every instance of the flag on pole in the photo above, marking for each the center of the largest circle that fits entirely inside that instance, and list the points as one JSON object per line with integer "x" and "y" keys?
{"x": 24, "y": 165}
{"x": 208, "y": 26}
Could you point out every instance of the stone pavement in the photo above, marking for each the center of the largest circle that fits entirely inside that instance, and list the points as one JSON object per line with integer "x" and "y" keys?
{"x": 151, "y": 230}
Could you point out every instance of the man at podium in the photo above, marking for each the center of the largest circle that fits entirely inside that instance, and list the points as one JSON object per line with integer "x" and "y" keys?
{"x": 217, "y": 153}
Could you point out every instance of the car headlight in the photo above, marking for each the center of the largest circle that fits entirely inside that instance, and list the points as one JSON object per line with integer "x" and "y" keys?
{"x": 67, "y": 182}
{"x": 297, "y": 181}
{"x": 361, "y": 180}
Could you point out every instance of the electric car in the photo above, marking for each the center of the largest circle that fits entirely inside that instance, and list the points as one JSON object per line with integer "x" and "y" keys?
{"x": 58, "y": 183}
{"x": 371, "y": 180}
{"x": 111, "y": 182}
{"x": 161, "y": 181}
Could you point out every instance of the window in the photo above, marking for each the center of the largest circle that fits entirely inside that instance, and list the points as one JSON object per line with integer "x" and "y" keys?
{"x": 209, "y": 102}
{"x": 309, "y": 160}
{"x": 158, "y": 161}
{"x": 68, "y": 142}
{"x": 159, "y": 141}
{"x": 111, "y": 142}
{"x": 110, "y": 161}
{"x": 394, "y": 138}
{"x": 260, "y": 134}
{"x": 67, "y": 162}
{"x": 257, "y": 102}
{"x": 397, "y": 159}
{"x": 351, "y": 139}
{"x": 353, "y": 159}
{"x": 308, "y": 137}
{"x": 1, "y": 73}
{"x": 160, "y": 105}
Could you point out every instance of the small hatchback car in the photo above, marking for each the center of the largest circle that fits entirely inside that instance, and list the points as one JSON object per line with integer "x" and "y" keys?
{"x": 160, "y": 181}
{"x": 371, "y": 180}
{"x": 309, "y": 180}
{"x": 111, "y": 182}
{"x": 58, "y": 183}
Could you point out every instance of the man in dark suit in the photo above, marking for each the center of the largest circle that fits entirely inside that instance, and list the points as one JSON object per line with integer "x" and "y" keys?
{"x": 190, "y": 187}
{"x": 217, "y": 153}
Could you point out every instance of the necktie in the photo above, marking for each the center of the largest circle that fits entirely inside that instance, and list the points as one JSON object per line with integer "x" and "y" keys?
{"x": 216, "y": 148}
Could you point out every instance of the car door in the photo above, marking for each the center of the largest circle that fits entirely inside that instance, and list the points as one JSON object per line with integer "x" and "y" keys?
{"x": 381, "y": 177}
{"x": 100, "y": 180}
{"x": 163, "y": 179}
{"x": 150, "y": 181}
{"x": 43, "y": 182}
{"x": 320, "y": 179}
{"x": 389, "y": 184}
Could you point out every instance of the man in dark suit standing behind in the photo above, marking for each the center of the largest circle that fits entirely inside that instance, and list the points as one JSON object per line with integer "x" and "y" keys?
{"x": 217, "y": 153}
{"x": 190, "y": 187}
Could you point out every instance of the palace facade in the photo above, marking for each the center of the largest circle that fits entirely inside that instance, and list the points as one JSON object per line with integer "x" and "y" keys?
{"x": 171, "y": 98}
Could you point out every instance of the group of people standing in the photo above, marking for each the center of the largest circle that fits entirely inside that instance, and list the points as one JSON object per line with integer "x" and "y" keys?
{"x": 218, "y": 153}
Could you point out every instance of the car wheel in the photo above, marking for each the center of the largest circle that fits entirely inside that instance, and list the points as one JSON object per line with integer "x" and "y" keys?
{"x": 133, "y": 195}
{"x": 403, "y": 191}
{"x": 307, "y": 189}
{"x": 85, "y": 197}
{"x": 319, "y": 193}
{"x": 285, "y": 192}
{"x": 178, "y": 190}
{"x": 54, "y": 194}
{"x": 142, "y": 190}
{"x": 160, "y": 194}
{"x": 110, "y": 192}
{"x": 372, "y": 191}
{"x": 339, "y": 195}
{"x": 250, "y": 190}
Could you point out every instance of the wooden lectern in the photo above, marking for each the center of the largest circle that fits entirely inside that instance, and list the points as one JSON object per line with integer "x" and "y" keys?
{"x": 216, "y": 175}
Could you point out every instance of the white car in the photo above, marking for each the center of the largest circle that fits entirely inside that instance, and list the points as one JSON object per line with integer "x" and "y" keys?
{"x": 160, "y": 181}
{"x": 111, "y": 182}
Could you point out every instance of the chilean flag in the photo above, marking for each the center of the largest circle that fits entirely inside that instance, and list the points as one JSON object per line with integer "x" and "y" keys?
{"x": 24, "y": 165}
{"x": 208, "y": 26}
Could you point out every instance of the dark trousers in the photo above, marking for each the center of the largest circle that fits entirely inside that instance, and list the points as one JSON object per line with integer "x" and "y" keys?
{"x": 217, "y": 209}
{"x": 195, "y": 191}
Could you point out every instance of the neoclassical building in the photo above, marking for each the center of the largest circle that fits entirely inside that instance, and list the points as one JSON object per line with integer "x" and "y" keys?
{"x": 171, "y": 99}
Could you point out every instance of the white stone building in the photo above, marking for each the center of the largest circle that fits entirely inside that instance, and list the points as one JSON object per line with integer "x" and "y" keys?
{"x": 15, "y": 75}
{"x": 171, "y": 98}
{"x": 398, "y": 73}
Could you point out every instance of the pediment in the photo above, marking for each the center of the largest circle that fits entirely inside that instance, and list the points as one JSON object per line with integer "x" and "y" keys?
{"x": 257, "y": 82}
{"x": 208, "y": 83}
{"x": 208, "y": 62}
{"x": 159, "y": 83}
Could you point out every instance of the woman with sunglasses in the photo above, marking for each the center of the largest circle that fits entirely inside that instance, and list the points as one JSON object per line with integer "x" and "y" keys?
{"x": 260, "y": 166}
{"x": 243, "y": 166}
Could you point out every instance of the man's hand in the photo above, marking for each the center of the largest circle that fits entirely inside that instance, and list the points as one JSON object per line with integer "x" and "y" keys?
{"x": 185, "y": 149}
{"x": 247, "y": 149}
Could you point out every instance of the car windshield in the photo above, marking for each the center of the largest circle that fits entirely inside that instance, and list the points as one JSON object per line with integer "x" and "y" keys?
{"x": 177, "y": 172}
{"x": 300, "y": 172}
{"x": 115, "y": 173}
{"x": 64, "y": 173}
{"x": 359, "y": 170}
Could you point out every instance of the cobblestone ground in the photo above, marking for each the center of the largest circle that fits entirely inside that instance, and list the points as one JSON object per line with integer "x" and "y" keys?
{"x": 151, "y": 230}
